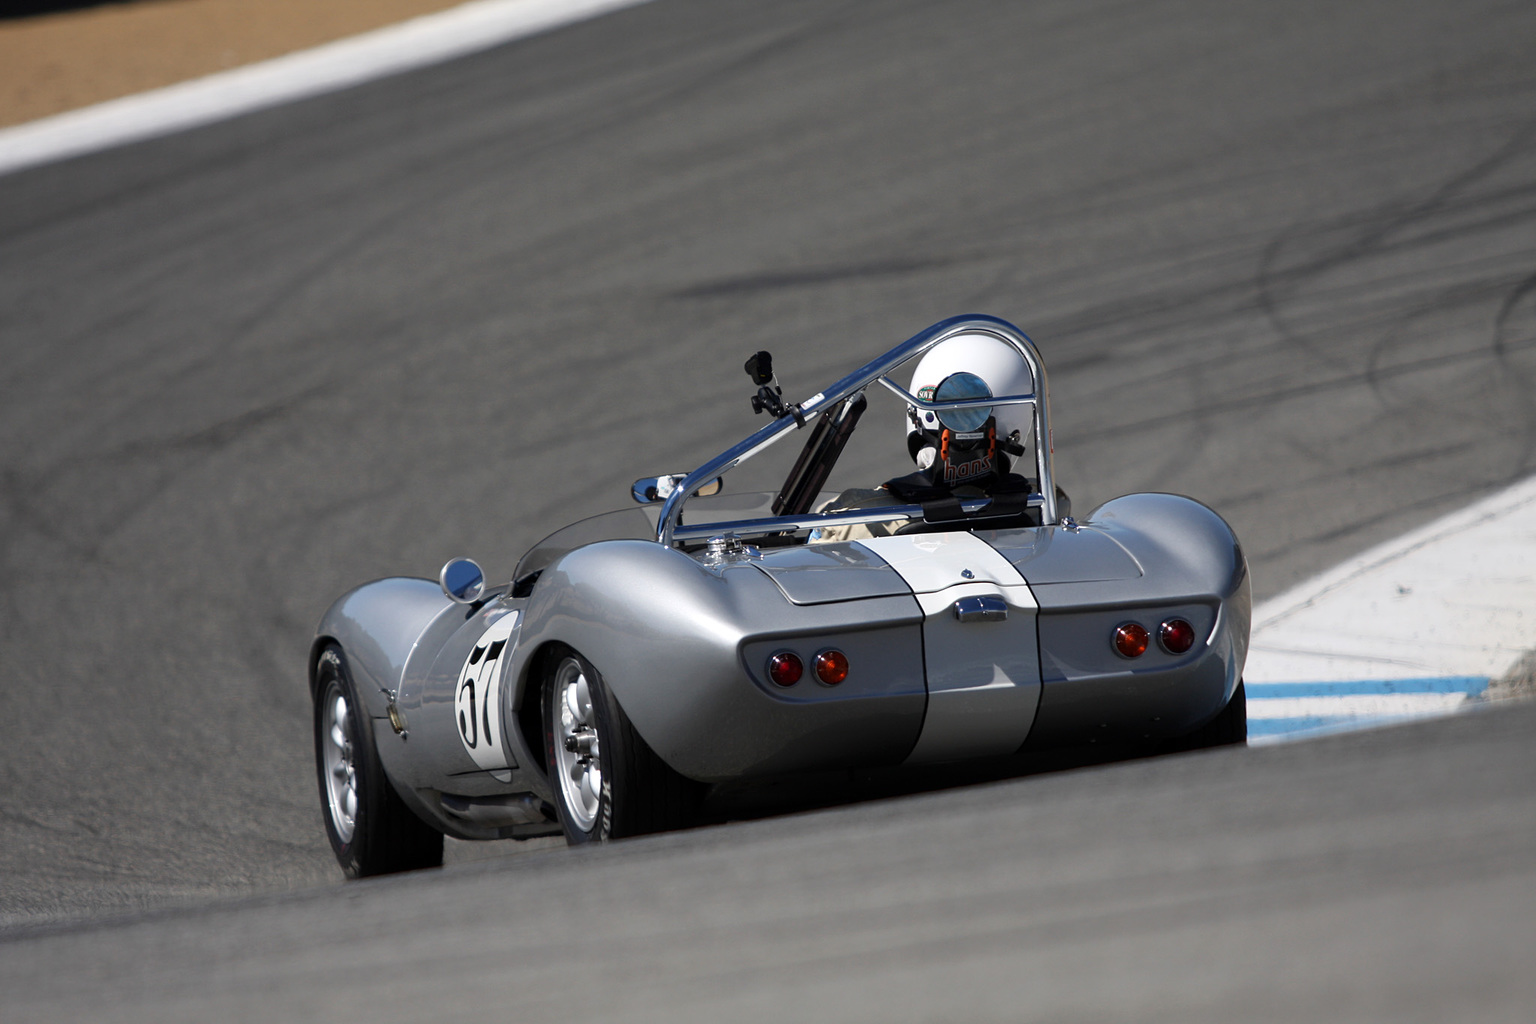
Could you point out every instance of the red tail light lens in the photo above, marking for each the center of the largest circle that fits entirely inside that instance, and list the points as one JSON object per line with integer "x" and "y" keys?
{"x": 785, "y": 668}
{"x": 1130, "y": 639}
{"x": 831, "y": 667}
{"x": 1176, "y": 636}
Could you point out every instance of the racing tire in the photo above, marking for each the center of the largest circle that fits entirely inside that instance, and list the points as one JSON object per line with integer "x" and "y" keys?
{"x": 608, "y": 783}
{"x": 372, "y": 831}
{"x": 1228, "y": 728}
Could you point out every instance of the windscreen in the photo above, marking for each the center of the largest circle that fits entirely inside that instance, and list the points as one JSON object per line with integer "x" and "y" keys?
{"x": 639, "y": 523}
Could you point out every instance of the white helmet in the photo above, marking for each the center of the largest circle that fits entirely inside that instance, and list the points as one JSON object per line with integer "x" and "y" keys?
{"x": 997, "y": 363}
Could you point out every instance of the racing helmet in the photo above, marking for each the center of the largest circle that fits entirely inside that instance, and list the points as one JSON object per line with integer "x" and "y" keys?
{"x": 997, "y": 365}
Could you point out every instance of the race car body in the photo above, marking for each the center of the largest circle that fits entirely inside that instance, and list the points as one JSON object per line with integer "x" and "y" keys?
{"x": 639, "y": 656}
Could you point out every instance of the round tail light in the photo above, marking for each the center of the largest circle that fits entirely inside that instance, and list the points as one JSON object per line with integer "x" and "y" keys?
{"x": 1130, "y": 639}
{"x": 785, "y": 668}
{"x": 1176, "y": 636}
{"x": 831, "y": 667}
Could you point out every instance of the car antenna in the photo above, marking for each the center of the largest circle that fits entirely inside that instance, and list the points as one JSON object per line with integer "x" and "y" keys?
{"x": 769, "y": 395}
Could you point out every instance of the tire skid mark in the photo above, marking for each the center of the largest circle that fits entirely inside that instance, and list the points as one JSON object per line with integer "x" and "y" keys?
{"x": 1392, "y": 218}
{"x": 1503, "y": 350}
{"x": 1274, "y": 395}
{"x": 1370, "y": 235}
{"x": 25, "y": 494}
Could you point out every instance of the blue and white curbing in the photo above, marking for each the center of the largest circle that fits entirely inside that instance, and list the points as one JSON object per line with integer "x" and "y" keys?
{"x": 1417, "y": 626}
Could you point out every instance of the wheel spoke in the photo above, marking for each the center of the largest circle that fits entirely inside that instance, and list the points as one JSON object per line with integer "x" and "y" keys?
{"x": 580, "y": 708}
{"x": 576, "y": 745}
{"x": 592, "y": 787}
{"x": 340, "y": 774}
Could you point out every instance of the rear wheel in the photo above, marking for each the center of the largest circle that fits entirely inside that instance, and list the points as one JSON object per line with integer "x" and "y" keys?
{"x": 371, "y": 830}
{"x": 608, "y": 782}
{"x": 1229, "y": 728}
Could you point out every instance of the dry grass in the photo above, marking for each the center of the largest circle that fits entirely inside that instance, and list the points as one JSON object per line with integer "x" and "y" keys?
{"x": 56, "y": 62}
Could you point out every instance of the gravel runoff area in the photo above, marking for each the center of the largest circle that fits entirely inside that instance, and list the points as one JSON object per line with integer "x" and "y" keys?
{"x": 53, "y": 62}
{"x": 1519, "y": 681}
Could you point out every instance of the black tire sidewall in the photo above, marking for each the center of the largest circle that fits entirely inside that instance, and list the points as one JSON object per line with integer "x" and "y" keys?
{"x": 1237, "y": 716}
{"x": 1228, "y": 728}
{"x": 386, "y": 835}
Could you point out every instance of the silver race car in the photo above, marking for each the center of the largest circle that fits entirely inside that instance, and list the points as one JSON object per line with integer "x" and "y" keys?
{"x": 958, "y": 612}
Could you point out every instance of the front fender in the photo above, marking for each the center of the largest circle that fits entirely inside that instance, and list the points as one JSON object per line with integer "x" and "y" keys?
{"x": 377, "y": 625}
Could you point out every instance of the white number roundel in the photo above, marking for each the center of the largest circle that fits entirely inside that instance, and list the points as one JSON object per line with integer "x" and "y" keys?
{"x": 477, "y": 698}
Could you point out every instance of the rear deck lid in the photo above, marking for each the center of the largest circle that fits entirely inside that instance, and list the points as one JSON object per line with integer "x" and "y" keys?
{"x": 1055, "y": 554}
{"x": 823, "y": 573}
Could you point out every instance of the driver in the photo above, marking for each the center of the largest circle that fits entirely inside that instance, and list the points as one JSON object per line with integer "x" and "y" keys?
{"x": 969, "y": 453}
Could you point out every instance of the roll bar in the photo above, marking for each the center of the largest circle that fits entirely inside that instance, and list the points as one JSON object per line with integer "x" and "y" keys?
{"x": 669, "y": 529}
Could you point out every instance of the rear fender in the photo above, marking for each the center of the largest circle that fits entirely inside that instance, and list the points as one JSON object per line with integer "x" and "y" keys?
{"x": 1193, "y": 568}
{"x": 669, "y": 634}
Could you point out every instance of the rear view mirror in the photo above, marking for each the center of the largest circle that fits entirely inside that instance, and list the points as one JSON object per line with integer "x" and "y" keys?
{"x": 462, "y": 580}
{"x": 659, "y": 488}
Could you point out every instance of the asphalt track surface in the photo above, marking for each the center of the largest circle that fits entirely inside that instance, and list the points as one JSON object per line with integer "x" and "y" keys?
{"x": 1279, "y": 257}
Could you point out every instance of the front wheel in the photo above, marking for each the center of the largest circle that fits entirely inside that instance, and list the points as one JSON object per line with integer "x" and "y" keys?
{"x": 608, "y": 782}
{"x": 371, "y": 830}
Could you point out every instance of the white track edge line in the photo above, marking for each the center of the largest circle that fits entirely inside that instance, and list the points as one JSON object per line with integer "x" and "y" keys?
{"x": 429, "y": 39}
